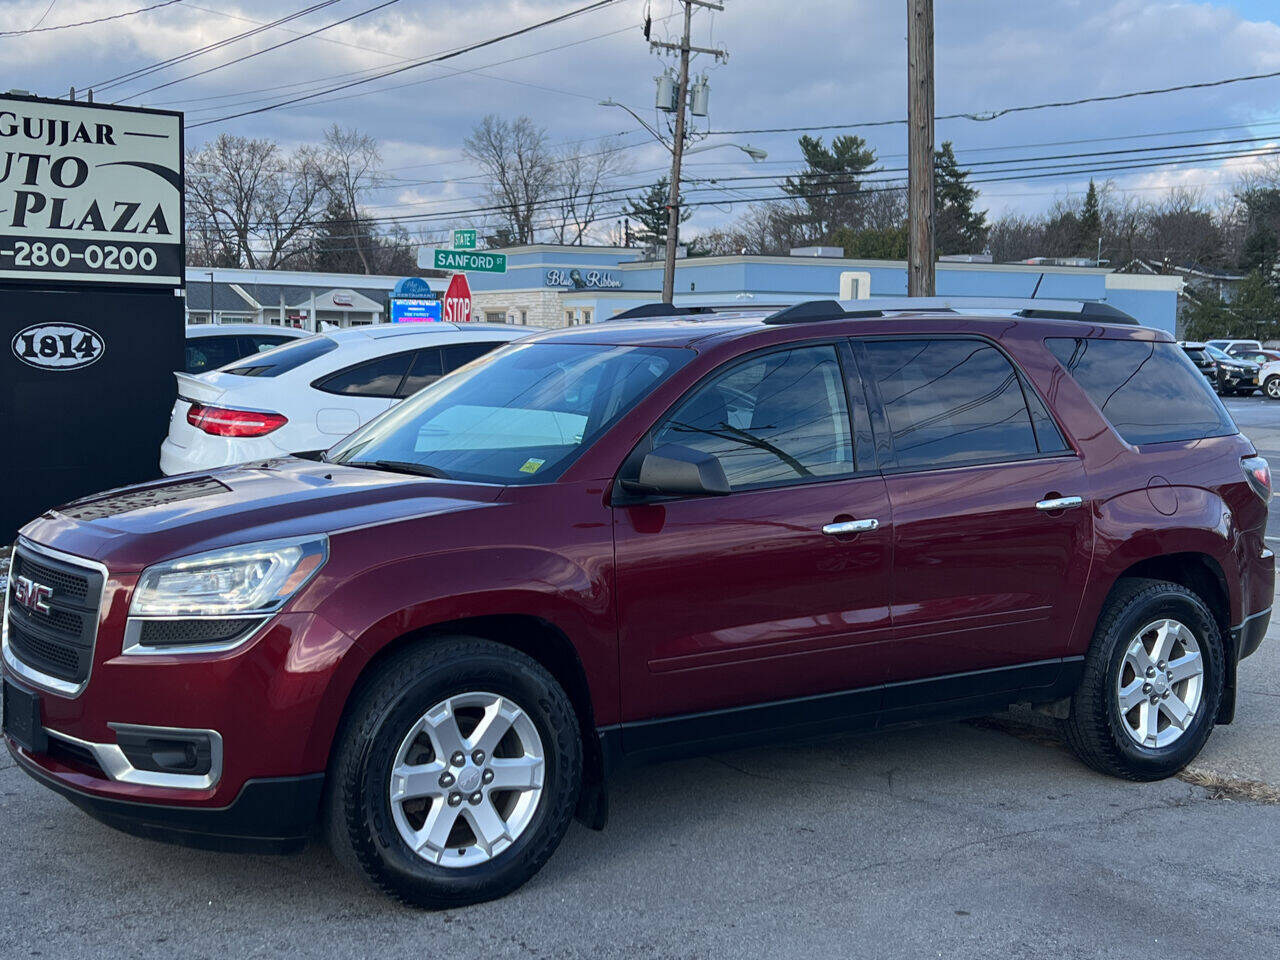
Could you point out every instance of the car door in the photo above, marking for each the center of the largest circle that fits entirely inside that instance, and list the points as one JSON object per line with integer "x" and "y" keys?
{"x": 992, "y": 521}
{"x": 780, "y": 589}
{"x": 359, "y": 392}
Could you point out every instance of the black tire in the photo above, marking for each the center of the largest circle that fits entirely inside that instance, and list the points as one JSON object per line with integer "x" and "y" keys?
{"x": 1271, "y": 388}
{"x": 358, "y": 817}
{"x": 1094, "y": 728}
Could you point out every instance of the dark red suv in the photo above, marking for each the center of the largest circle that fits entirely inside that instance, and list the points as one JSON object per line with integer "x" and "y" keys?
{"x": 633, "y": 539}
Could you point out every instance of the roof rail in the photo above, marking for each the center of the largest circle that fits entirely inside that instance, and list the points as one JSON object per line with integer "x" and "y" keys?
{"x": 1089, "y": 311}
{"x": 648, "y": 311}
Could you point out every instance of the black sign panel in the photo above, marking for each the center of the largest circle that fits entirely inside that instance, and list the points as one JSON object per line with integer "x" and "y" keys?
{"x": 86, "y": 387}
{"x": 90, "y": 193}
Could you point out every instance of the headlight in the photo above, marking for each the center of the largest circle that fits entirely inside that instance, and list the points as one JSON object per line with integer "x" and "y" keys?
{"x": 248, "y": 579}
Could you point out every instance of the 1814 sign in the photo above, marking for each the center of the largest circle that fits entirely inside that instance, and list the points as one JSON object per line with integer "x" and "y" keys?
{"x": 90, "y": 192}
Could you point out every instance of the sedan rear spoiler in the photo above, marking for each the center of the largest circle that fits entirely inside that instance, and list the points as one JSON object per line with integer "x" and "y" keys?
{"x": 194, "y": 387}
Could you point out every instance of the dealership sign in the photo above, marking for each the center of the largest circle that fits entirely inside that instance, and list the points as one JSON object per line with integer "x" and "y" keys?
{"x": 90, "y": 193}
{"x": 579, "y": 279}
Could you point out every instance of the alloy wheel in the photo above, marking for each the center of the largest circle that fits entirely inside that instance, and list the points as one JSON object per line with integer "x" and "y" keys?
{"x": 1272, "y": 387}
{"x": 1161, "y": 683}
{"x": 467, "y": 779}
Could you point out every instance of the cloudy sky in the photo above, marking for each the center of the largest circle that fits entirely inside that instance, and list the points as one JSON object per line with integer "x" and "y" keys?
{"x": 793, "y": 63}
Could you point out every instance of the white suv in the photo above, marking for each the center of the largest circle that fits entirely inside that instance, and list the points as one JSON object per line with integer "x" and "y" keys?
{"x": 308, "y": 394}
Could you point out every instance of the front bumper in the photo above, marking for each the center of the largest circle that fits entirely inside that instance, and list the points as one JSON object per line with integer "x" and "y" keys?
{"x": 273, "y": 814}
{"x": 269, "y": 707}
{"x": 1233, "y": 380}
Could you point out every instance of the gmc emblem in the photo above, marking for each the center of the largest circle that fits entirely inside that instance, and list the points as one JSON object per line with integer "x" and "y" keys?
{"x": 32, "y": 595}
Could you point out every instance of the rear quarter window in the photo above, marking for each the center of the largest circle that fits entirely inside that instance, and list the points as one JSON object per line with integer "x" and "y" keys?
{"x": 1150, "y": 392}
{"x": 282, "y": 359}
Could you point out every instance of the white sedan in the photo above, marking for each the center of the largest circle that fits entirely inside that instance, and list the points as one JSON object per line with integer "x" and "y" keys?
{"x": 308, "y": 394}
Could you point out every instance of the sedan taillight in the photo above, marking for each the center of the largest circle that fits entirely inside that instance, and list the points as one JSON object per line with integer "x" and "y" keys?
{"x": 228, "y": 422}
{"x": 1258, "y": 472}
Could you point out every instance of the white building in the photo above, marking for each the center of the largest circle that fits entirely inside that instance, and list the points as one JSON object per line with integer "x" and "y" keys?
{"x": 294, "y": 298}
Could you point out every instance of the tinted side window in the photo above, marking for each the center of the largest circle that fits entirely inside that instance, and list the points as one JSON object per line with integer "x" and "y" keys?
{"x": 460, "y": 354}
{"x": 425, "y": 370}
{"x": 950, "y": 402}
{"x": 286, "y": 357}
{"x": 209, "y": 353}
{"x": 260, "y": 342}
{"x": 373, "y": 378}
{"x": 779, "y": 418}
{"x": 1150, "y": 392}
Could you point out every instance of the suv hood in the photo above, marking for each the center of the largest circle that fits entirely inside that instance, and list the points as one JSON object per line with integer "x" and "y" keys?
{"x": 131, "y": 527}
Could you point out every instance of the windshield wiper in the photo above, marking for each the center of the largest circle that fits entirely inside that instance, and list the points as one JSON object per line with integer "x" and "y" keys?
{"x": 401, "y": 466}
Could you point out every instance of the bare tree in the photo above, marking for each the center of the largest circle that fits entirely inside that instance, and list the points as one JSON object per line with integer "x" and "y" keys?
{"x": 351, "y": 163}
{"x": 520, "y": 168}
{"x": 249, "y": 205}
{"x": 580, "y": 180}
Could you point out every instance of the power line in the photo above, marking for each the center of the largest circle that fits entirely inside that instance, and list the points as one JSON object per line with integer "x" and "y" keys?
{"x": 258, "y": 53}
{"x": 199, "y": 51}
{"x": 44, "y": 16}
{"x": 84, "y": 23}
{"x": 988, "y": 115}
{"x": 476, "y": 71}
{"x": 866, "y": 187}
{"x": 720, "y": 182}
{"x": 396, "y": 58}
{"x": 560, "y": 18}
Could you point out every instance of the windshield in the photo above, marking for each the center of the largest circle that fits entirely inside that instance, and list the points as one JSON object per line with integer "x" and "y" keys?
{"x": 282, "y": 359}
{"x": 1217, "y": 354}
{"x": 519, "y": 415}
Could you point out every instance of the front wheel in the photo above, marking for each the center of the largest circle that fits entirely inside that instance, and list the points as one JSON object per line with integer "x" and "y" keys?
{"x": 1152, "y": 682}
{"x": 456, "y": 773}
{"x": 1271, "y": 387}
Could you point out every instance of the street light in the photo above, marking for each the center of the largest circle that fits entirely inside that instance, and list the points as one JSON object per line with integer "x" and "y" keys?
{"x": 677, "y": 150}
{"x": 755, "y": 153}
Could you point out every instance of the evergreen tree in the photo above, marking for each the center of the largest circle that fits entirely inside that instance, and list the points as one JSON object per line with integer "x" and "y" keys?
{"x": 958, "y": 228}
{"x": 827, "y": 189}
{"x": 1259, "y": 250}
{"x": 889, "y": 243}
{"x": 649, "y": 211}
{"x": 1090, "y": 222}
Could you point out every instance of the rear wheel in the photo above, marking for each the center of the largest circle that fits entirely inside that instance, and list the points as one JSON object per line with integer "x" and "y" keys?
{"x": 1271, "y": 387}
{"x": 1152, "y": 682}
{"x": 456, "y": 774}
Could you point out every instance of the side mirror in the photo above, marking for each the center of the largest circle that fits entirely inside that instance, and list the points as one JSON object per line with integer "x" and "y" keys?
{"x": 675, "y": 471}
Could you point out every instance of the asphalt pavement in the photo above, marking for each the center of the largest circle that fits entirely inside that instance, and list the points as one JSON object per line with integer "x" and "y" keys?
{"x": 981, "y": 840}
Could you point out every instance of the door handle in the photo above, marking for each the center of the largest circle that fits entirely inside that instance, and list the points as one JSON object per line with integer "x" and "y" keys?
{"x": 846, "y": 527}
{"x": 1059, "y": 503}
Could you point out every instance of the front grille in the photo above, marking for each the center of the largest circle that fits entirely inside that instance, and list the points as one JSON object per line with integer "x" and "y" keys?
{"x": 73, "y": 585}
{"x": 74, "y": 755}
{"x": 58, "y": 642}
{"x": 53, "y": 657}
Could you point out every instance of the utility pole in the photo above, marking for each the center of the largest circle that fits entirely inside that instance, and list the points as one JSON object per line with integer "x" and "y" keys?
{"x": 920, "y": 192}
{"x": 677, "y": 151}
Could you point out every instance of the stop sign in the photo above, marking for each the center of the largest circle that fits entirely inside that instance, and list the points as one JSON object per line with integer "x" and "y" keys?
{"x": 457, "y": 300}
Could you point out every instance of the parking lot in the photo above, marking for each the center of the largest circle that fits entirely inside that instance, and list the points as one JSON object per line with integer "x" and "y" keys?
{"x": 966, "y": 840}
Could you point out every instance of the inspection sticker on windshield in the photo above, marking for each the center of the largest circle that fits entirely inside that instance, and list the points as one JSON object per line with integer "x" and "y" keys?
{"x": 531, "y": 465}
